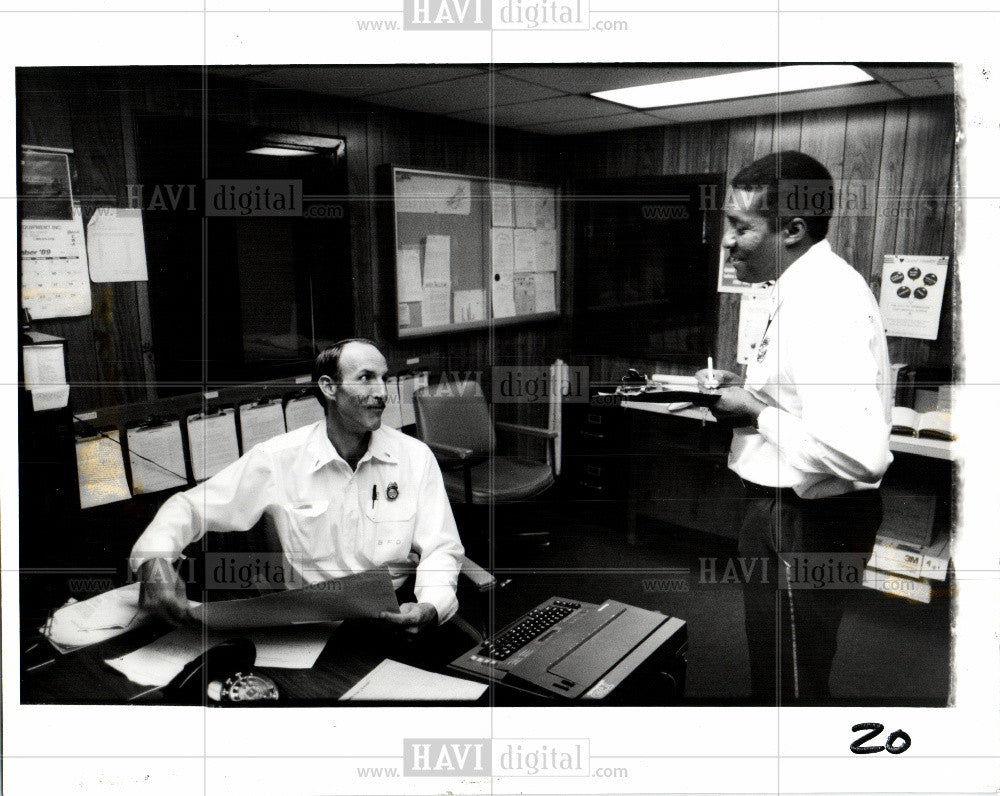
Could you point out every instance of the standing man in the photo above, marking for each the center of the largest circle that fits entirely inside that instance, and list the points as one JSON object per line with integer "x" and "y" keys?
{"x": 345, "y": 495}
{"x": 814, "y": 417}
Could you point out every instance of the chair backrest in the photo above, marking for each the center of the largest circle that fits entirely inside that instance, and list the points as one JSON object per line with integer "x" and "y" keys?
{"x": 455, "y": 413}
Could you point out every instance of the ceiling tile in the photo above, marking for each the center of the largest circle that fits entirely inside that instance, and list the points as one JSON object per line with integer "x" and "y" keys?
{"x": 927, "y": 87}
{"x": 359, "y": 81}
{"x": 894, "y": 74}
{"x": 463, "y": 94}
{"x": 588, "y": 79}
{"x": 624, "y": 121}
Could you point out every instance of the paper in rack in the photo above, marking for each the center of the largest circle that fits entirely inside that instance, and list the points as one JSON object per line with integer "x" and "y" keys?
{"x": 212, "y": 442}
{"x": 156, "y": 455}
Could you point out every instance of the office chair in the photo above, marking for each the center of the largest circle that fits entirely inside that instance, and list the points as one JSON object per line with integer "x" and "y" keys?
{"x": 453, "y": 419}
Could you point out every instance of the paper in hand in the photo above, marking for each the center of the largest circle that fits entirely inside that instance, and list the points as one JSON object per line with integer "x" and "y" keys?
{"x": 363, "y": 595}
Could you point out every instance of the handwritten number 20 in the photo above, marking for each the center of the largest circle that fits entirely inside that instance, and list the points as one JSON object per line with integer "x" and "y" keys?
{"x": 874, "y": 728}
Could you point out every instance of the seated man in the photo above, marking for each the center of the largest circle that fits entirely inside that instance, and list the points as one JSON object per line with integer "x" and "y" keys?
{"x": 344, "y": 496}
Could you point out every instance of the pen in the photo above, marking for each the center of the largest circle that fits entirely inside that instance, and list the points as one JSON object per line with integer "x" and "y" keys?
{"x": 711, "y": 374}
{"x": 374, "y": 494}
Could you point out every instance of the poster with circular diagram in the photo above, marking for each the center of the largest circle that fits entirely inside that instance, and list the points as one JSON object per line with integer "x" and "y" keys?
{"x": 912, "y": 293}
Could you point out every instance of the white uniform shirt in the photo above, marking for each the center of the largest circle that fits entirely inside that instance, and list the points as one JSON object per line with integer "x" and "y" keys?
{"x": 822, "y": 368}
{"x": 323, "y": 511}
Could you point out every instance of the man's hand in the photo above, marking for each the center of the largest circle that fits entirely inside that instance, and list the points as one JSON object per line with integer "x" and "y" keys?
{"x": 737, "y": 402}
{"x": 161, "y": 592}
{"x": 411, "y": 616}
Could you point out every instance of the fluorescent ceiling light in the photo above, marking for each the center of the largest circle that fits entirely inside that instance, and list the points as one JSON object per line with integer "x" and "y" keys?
{"x": 753, "y": 83}
{"x": 280, "y": 151}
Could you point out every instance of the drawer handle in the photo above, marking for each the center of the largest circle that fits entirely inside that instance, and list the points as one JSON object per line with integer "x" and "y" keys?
{"x": 595, "y": 419}
{"x": 592, "y": 470}
{"x": 592, "y": 487}
{"x": 592, "y": 435}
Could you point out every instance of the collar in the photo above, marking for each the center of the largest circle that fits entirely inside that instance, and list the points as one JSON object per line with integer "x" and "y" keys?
{"x": 320, "y": 451}
{"x": 797, "y": 271}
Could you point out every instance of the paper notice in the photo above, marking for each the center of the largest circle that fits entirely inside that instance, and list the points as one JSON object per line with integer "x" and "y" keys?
{"x": 212, "y": 442}
{"x": 436, "y": 307}
{"x": 409, "y": 284}
{"x": 392, "y": 416}
{"x": 545, "y": 208}
{"x": 912, "y": 295}
{"x": 502, "y": 203}
{"x": 437, "y": 260}
{"x": 503, "y": 295}
{"x": 524, "y": 294}
{"x": 525, "y": 212}
{"x": 115, "y": 245}
{"x": 545, "y": 292}
{"x": 545, "y": 250}
{"x": 156, "y": 456}
{"x": 54, "y": 278}
{"x": 468, "y": 306}
{"x": 101, "y": 470}
{"x": 405, "y": 318}
{"x": 524, "y": 250}
{"x": 393, "y": 681}
{"x": 428, "y": 193}
{"x": 259, "y": 423}
{"x": 303, "y": 411}
{"x": 407, "y": 385}
{"x": 502, "y": 250}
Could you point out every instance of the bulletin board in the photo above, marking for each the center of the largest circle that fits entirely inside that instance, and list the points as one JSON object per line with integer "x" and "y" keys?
{"x": 473, "y": 252}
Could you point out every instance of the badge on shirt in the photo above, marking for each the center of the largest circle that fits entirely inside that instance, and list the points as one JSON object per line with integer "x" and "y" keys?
{"x": 762, "y": 349}
{"x": 392, "y": 491}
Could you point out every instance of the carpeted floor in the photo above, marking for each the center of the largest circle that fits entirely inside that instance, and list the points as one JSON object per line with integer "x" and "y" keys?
{"x": 891, "y": 651}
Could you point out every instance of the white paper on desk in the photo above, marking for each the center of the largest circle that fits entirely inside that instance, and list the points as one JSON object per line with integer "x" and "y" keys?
{"x": 394, "y": 681}
{"x": 437, "y": 260}
{"x": 104, "y": 616}
{"x": 301, "y": 412}
{"x": 115, "y": 245}
{"x": 44, "y": 366}
{"x": 502, "y": 203}
{"x": 212, "y": 442}
{"x": 524, "y": 250}
{"x": 361, "y": 595}
{"x": 409, "y": 283}
{"x": 100, "y": 470}
{"x": 158, "y": 663}
{"x": 259, "y": 423}
{"x": 156, "y": 455}
{"x": 54, "y": 278}
{"x": 436, "y": 308}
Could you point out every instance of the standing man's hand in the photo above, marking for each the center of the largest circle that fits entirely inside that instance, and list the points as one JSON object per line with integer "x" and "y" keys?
{"x": 411, "y": 616}
{"x": 161, "y": 592}
{"x": 734, "y": 401}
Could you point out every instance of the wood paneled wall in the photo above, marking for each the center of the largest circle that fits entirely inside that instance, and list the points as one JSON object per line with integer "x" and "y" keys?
{"x": 904, "y": 151}
{"x": 110, "y": 357}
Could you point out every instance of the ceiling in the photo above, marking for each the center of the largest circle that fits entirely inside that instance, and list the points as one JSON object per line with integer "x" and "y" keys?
{"x": 552, "y": 99}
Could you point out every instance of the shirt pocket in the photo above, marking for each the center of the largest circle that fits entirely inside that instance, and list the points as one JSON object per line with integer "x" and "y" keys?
{"x": 308, "y": 529}
{"x": 388, "y": 527}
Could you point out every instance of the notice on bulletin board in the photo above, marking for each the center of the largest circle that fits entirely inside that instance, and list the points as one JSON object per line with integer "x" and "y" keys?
{"x": 428, "y": 193}
{"x": 55, "y": 282}
{"x": 912, "y": 294}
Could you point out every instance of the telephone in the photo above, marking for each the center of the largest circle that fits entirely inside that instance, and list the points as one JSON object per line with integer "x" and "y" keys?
{"x": 222, "y": 674}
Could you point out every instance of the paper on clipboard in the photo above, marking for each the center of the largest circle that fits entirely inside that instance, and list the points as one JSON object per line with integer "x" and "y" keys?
{"x": 156, "y": 455}
{"x": 101, "y": 470}
{"x": 212, "y": 442}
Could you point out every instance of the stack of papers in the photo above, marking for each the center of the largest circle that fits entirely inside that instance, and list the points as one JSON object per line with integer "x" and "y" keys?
{"x": 394, "y": 681}
{"x": 79, "y": 624}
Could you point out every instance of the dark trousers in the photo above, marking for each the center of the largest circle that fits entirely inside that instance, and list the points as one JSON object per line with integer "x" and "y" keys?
{"x": 801, "y": 559}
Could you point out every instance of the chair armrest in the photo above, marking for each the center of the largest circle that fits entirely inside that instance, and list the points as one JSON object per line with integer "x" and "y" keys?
{"x": 533, "y": 431}
{"x": 482, "y": 579}
{"x": 451, "y": 450}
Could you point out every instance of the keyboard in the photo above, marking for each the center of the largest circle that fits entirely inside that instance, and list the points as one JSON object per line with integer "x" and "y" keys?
{"x": 529, "y": 627}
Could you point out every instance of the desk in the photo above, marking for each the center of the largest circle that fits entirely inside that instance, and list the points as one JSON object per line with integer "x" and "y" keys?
{"x": 678, "y": 471}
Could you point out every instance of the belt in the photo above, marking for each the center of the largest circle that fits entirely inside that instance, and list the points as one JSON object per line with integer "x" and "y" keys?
{"x": 753, "y": 490}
